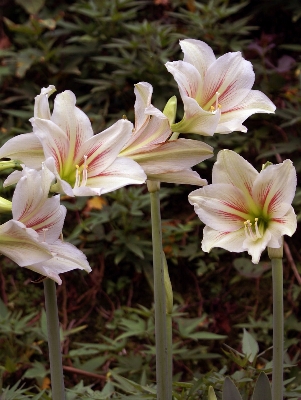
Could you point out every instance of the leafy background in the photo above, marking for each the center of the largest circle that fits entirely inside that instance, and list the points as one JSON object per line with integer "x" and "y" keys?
{"x": 99, "y": 49}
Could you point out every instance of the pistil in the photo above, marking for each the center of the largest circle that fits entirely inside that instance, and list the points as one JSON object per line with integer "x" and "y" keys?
{"x": 217, "y": 105}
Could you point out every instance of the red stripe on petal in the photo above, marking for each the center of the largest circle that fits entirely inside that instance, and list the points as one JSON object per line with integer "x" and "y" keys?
{"x": 230, "y": 216}
{"x": 262, "y": 196}
{"x": 274, "y": 202}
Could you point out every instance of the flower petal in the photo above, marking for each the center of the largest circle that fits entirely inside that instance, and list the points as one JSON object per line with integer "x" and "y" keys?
{"x": 256, "y": 247}
{"x": 274, "y": 188}
{"x": 255, "y": 102}
{"x": 31, "y": 192}
{"x": 41, "y": 106}
{"x": 185, "y": 176}
{"x": 26, "y": 148}
{"x": 233, "y": 169}
{"x": 21, "y": 244}
{"x": 231, "y": 241}
{"x": 199, "y": 54}
{"x": 222, "y": 207}
{"x": 123, "y": 171}
{"x": 54, "y": 141}
{"x": 196, "y": 120}
{"x": 285, "y": 225}
{"x": 188, "y": 79}
{"x": 102, "y": 149}
{"x": 157, "y": 131}
{"x": 72, "y": 121}
{"x": 232, "y": 77}
{"x": 66, "y": 257}
{"x": 143, "y": 92}
{"x": 173, "y": 155}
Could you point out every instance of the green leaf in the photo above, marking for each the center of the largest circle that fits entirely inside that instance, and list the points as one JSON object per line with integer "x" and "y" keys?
{"x": 230, "y": 391}
{"x": 31, "y": 6}
{"x": 3, "y": 309}
{"x": 262, "y": 390}
{"x": 249, "y": 346}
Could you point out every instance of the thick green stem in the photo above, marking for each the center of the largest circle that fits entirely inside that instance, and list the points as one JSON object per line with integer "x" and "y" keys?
{"x": 54, "y": 345}
{"x": 164, "y": 390}
{"x": 277, "y": 379}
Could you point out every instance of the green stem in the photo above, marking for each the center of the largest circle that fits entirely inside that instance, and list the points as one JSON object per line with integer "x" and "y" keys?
{"x": 54, "y": 344}
{"x": 164, "y": 391}
{"x": 277, "y": 379}
{"x": 169, "y": 309}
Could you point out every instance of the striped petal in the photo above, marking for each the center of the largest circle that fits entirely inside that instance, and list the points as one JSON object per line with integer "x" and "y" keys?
{"x": 172, "y": 156}
{"x": 26, "y": 148}
{"x": 232, "y": 77}
{"x": 231, "y": 241}
{"x": 102, "y": 149}
{"x": 222, "y": 207}
{"x": 188, "y": 79}
{"x": 54, "y": 141}
{"x": 233, "y": 169}
{"x": 73, "y": 122}
{"x": 274, "y": 188}
{"x": 254, "y": 102}
{"x": 123, "y": 171}
{"x": 66, "y": 257}
{"x": 21, "y": 244}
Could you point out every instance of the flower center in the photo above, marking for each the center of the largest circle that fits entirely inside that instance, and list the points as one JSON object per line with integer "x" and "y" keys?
{"x": 81, "y": 174}
{"x": 252, "y": 231}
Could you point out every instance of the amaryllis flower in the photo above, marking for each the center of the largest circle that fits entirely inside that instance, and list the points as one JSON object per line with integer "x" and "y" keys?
{"x": 245, "y": 210}
{"x": 83, "y": 164}
{"x": 216, "y": 93}
{"x": 162, "y": 159}
{"x": 44, "y": 217}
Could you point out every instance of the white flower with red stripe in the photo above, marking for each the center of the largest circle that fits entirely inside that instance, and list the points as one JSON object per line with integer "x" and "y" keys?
{"x": 43, "y": 218}
{"x": 83, "y": 164}
{"x": 245, "y": 210}
{"x": 216, "y": 93}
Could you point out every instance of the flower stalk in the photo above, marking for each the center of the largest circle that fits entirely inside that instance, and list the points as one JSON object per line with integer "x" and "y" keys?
{"x": 54, "y": 345}
{"x": 278, "y": 337}
{"x": 164, "y": 391}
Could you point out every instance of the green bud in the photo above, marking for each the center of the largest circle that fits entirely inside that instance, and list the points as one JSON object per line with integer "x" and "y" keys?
{"x": 267, "y": 164}
{"x": 9, "y": 164}
{"x": 170, "y": 109}
{"x": 211, "y": 394}
{"x": 5, "y": 205}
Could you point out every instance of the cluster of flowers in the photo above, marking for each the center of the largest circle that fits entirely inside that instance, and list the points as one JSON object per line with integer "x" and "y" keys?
{"x": 243, "y": 210}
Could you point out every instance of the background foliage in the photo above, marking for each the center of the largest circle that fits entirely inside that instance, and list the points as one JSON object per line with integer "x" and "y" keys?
{"x": 99, "y": 49}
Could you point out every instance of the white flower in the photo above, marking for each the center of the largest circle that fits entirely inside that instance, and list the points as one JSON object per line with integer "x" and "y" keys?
{"x": 216, "y": 93}
{"x": 43, "y": 217}
{"x": 244, "y": 209}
